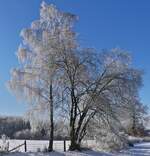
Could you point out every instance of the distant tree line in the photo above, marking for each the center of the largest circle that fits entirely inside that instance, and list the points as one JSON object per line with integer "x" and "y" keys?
{"x": 11, "y": 125}
{"x": 20, "y": 128}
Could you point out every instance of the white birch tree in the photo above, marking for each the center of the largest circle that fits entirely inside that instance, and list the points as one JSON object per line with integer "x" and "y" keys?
{"x": 36, "y": 79}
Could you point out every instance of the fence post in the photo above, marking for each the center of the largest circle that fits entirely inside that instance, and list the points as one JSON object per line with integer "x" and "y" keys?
{"x": 64, "y": 145}
{"x": 25, "y": 146}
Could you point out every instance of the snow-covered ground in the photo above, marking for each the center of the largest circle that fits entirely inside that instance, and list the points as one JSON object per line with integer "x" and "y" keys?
{"x": 141, "y": 149}
{"x": 36, "y": 145}
{"x": 40, "y": 145}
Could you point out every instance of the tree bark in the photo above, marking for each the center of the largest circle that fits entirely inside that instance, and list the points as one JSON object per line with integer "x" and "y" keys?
{"x": 51, "y": 138}
{"x": 74, "y": 142}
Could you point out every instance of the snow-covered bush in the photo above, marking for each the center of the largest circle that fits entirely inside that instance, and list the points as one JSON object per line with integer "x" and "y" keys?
{"x": 5, "y": 144}
{"x": 109, "y": 135}
{"x": 24, "y": 134}
{"x": 109, "y": 141}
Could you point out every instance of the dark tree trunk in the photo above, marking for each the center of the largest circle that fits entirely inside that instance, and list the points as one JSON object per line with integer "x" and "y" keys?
{"x": 77, "y": 134}
{"x": 74, "y": 146}
{"x": 73, "y": 138}
{"x": 50, "y": 148}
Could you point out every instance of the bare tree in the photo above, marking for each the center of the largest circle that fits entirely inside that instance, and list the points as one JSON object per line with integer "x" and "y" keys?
{"x": 97, "y": 84}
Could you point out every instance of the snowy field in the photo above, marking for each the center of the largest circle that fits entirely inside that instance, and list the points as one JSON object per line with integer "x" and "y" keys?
{"x": 141, "y": 149}
{"x": 38, "y": 145}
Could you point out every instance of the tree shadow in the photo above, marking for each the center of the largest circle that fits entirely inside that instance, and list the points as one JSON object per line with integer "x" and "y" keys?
{"x": 137, "y": 151}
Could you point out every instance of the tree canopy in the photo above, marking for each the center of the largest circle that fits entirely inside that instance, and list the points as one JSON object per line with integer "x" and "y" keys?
{"x": 79, "y": 84}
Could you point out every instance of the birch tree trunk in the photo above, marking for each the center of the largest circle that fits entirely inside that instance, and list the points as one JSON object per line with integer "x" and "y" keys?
{"x": 50, "y": 148}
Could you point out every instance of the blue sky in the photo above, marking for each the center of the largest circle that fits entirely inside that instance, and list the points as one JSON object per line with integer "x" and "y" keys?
{"x": 102, "y": 24}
